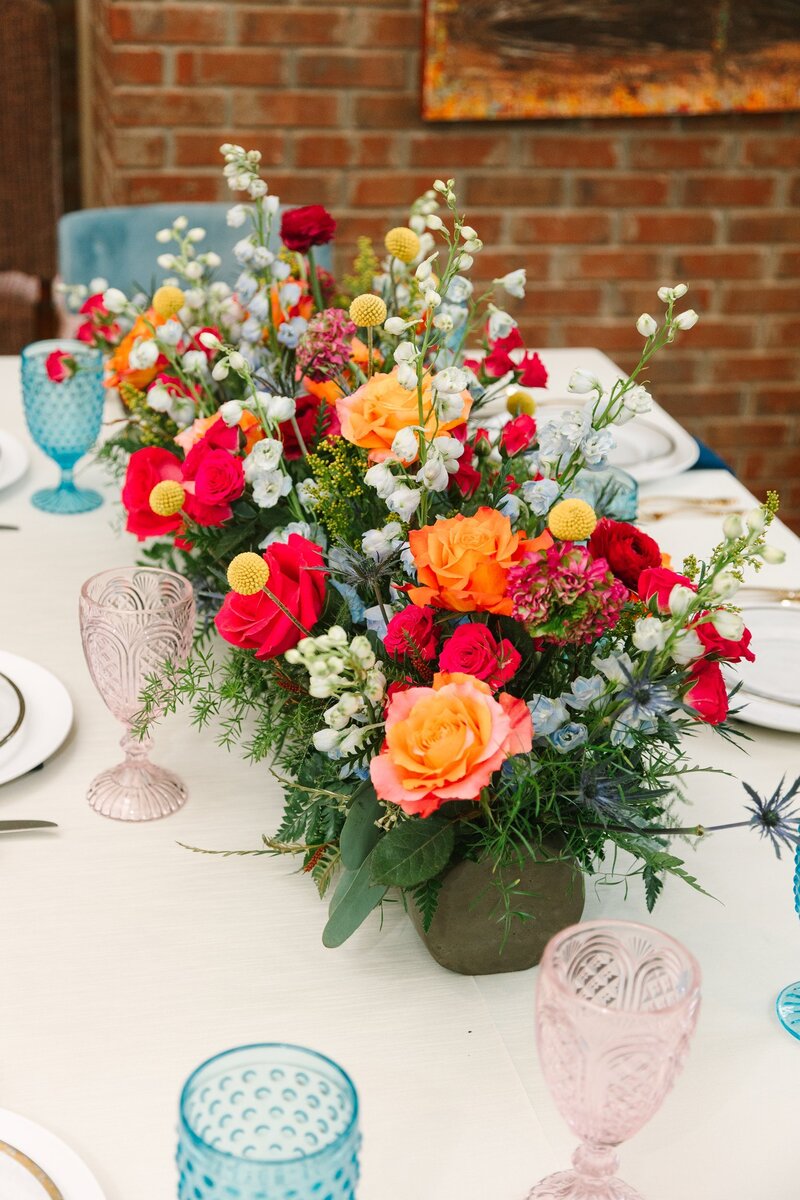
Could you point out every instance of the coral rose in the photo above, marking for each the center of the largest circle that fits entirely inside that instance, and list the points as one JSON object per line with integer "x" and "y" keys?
{"x": 446, "y": 741}
{"x": 380, "y": 408}
{"x": 297, "y": 580}
{"x": 463, "y": 563}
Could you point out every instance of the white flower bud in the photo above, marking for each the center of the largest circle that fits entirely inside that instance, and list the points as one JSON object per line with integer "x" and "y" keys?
{"x": 687, "y": 647}
{"x": 236, "y": 216}
{"x": 164, "y": 236}
{"x": 406, "y": 352}
{"x": 728, "y": 624}
{"x": 755, "y": 519}
{"x": 231, "y": 412}
{"x": 180, "y": 224}
{"x": 395, "y": 325}
{"x": 771, "y": 554}
{"x": 680, "y": 600}
{"x": 236, "y": 360}
{"x": 686, "y": 320}
{"x": 468, "y": 233}
{"x": 167, "y": 261}
{"x": 210, "y": 341}
{"x": 583, "y": 381}
{"x": 443, "y": 322}
{"x": 115, "y": 300}
{"x": 220, "y": 371}
{"x": 434, "y": 222}
{"x": 196, "y": 234}
{"x": 649, "y": 634}
{"x": 405, "y": 445}
{"x": 464, "y": 262}
{"x": 407, "y": 376}
{"x": 646, "y": 325}
{"x": 725, "y": 585}
{"x": 732, "y": 527}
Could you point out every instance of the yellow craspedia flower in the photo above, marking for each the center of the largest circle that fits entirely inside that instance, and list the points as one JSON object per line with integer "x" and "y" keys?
{"x": 167, "y": 498}
{"x": 402, "y": 243}
{"x": 572, "y": 520}
{"x": 367, "y": 310}
{"x": 521, "y": 402}
{"x": 167, "y": 301}
{"x": 247, "y": 573}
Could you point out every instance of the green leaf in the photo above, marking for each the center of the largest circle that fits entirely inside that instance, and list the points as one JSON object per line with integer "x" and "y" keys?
{"x": 359, "y": 832}
{"x": 413, "y": 851}
{"x": 652, "y": 887}
{"x": 353, "y": 901}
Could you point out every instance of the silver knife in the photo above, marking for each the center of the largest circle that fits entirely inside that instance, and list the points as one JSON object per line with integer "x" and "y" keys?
{"x": 21, "y": 826}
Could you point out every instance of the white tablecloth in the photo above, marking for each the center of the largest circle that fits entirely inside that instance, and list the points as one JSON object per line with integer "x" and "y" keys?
{"x": 126, "y": 959}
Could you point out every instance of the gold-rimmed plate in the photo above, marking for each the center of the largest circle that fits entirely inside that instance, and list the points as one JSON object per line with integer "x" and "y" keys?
{"x": 12, "y": 709}
{"x": 59, "y": 1168}
{"x": 23, "y": 1179}
{"x": 770, "y": 691}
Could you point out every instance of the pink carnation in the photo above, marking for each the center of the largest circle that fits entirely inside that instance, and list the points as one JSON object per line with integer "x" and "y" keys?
{"x": 564, "y": 596}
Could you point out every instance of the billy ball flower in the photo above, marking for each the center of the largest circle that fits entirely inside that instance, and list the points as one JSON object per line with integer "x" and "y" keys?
{"x": 247, "y": 573}
{"x": 167, "y": 498}
{"x": 521, "y": 402}
{"x": 368, "y": 310}
{"x": 402, "y": 243}
{"x": 167, "y": 301}
{"x": 572, "y": 520}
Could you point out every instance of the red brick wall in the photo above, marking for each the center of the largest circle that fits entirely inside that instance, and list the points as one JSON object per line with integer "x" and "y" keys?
{"x": 600, "y": 212}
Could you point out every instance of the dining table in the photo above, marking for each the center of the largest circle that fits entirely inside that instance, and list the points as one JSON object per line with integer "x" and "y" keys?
{"x": 131, "y": 952}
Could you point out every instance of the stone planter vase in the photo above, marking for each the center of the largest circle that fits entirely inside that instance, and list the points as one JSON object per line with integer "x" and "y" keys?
{"x": 467, "y": 932}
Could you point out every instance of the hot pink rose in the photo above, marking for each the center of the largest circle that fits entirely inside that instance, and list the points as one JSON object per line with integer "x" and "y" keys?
{"x": 659, "y": 582}
{"x": 60, "y": 365}
{"x": 723, "y": 648}
{"x": 445, "y": 742}
{"x": 708, "y": 694}
{"x": 411, "y": 634}
{"x": 518, "y": 434}
{"x": 213, "y": 476}
{"x": 474, "y": 650}
{"x": 297, "y": 579}
{"x": 146, "y": 468}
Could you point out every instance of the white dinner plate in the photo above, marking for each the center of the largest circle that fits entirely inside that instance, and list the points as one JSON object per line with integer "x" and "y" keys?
{"x": 770, "y": 691}
{"x": 47, "y": 721}
{"x": 13, "y": 459}
{"x": 70, "y": 1175}
{"x": 650, "y": 447}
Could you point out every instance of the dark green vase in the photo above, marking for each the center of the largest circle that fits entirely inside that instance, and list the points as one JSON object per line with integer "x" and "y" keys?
{"x": 468, "y": 933}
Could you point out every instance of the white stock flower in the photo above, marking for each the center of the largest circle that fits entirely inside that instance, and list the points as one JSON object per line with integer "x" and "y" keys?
{"x": 264, "y": 457}
{"x": 464, "y": 262}
{"x": 680, "y": 600}
{"x": 646, "y": 325}
{"x": 459, "y": 290}
{"x": 231, "y": 412}
{"x": 450, "y": 449}
{"x": 257, "y": 188}
{"x": 407, "y": 376}
{"x": 686, "y": 320}
{"x": 584, "y": 381}
{"x": 381, "y": 478}
{"x": 193, "y": 270}
{"x": 210, "y": 341}
{"x": 650, "y": 634}
{"x": 500, "y": 323}
{"x": 431, "y": 298}
{"x": 434, "y": 475}
{"x": 450, "y": 381}
{"x": 236, "y": 216}
{"x": 194, "y": 362}
{"x": 269, "y": 489}
{"x": 672, "y": 293}
{"x": 444, "y": 322}
{"x": 277, "y": 408}
{"x": 405, "y": 501}
{"x": 164, "y": 236}
{"x": 167, "y": 261}
{"x": 514, "y": 282}
{"x": 540, "y": 495}
{"x": 264, "y": 257}
{"x": 158, "y": 398}
{"x": 379, "y": 544}
{"x": 170, "y": 333}
{"x": 687, "y": 647}
{"x": 406, "y": 352}
{"x": 638, "y": 399}
{"x": 728, "y": 624}
{"x": 243, "y": 251}
{"x": 143, "y": 355}
{"x": 395, "y": 325}
{"x": 448, "y": 407}
{"x": 405, "y": 444}
{"x": 194, "y": 298}
{"x": 115, "y": 300}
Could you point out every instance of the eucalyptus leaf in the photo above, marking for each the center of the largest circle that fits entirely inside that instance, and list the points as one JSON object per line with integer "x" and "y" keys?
{"x": 352, "y": 902}
{"x": 412, "y": 852}
{"x": 359, "y": 832}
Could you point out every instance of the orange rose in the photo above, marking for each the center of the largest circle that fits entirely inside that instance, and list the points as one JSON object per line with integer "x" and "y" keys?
{"x": 118, "y": 362}
{"x": 446, "y": 741}
{"x": 380, "y": 408}
{"x": 463, "y": 563}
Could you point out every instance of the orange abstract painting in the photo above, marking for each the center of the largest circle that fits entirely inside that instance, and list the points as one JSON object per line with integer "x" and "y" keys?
{"x": 507, "y": 59}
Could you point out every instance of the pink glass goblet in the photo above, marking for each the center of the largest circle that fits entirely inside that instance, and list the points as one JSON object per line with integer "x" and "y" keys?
{"x": 616, "y": 1006}
{"x": 134, "y": 620}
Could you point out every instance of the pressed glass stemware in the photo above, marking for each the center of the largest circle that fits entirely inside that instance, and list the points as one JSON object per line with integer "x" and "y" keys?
{"x": 64, "y": 418}
{"x": 788, "y": 1002}
{"x": 133, "y": 620}
{"x": 616, "y": 1006}
{"x": 268, "y": 1122}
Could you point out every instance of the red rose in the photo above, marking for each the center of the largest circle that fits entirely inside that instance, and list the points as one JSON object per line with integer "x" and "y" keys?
{"x": 708, "y": 695}
{"x": 60, "y": 366}
{"x": 412, "y": 634}
{"x": 534, "y": 372}
{"x": 98, "y": 320}
{"x": 530, "y": 368}
{"x": 659, "y": 582}
{"x": 146, "y": 468}
{"x": 518, "y": 435}
{"x": 302, "y": 228}
{"x": 473, "y": 650}
{"x": 218, "y": 481}
{"x": 297, "y": 580}
{"x": 724, "y": 648}
{"x": 466, "y": 478}
{"x": 315, "y": 420}
{"x": 626, "y": 549}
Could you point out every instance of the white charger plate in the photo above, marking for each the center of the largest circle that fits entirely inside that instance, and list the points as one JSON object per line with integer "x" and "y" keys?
{"x": 14, "y": 459}
{"x": 774, "y": 701}
{"x": 47, "y": 721}
{"x": 651, "y": 447}
{"x": 70, "y": 1175}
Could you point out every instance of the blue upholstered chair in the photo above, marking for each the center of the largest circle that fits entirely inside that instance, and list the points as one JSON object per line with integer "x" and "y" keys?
{"x": 119, "y": 244}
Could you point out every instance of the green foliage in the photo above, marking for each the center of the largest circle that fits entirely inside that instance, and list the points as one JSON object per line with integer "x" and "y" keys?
{"x": 413, "y": 851}
{"x": 345, "y": 505}
{"x": 354, "y": 899}
{"x": 365, "y": 268}
{"x": 360, "y": 831}
{"x": 426, "y": 898}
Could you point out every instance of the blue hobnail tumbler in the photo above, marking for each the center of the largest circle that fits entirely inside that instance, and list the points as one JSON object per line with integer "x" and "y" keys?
{"x": 268, "y": 1122}
{"x": 64, "y": 418}
{"x": 788, "y": 1002}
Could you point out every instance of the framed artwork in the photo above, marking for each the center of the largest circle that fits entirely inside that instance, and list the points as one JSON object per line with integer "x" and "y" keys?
{"x": 521, "y": 59}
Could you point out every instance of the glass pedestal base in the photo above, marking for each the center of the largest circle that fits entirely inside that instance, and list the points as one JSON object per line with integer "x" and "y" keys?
{"x": 137, "y": 791}
{"x": 66, "y": 500}
{"x": 569, "y": 1185}
{"x": 787, "y": 1007}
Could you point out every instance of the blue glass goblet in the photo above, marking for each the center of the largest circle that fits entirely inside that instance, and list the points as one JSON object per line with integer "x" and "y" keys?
{"x": 788, "y": 1002}
{"x": 64, "y": 418}
{"x": 268, "y": 1122}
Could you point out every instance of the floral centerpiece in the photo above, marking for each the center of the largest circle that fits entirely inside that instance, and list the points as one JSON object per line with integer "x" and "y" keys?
{"x": 444, "y": 651}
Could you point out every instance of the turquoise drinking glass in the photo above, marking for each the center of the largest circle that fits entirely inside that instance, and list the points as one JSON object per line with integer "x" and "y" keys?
{"x": 788, "y": 1002}
{"x": 268, "y": 1122}
{"x": 64, "y": 418}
